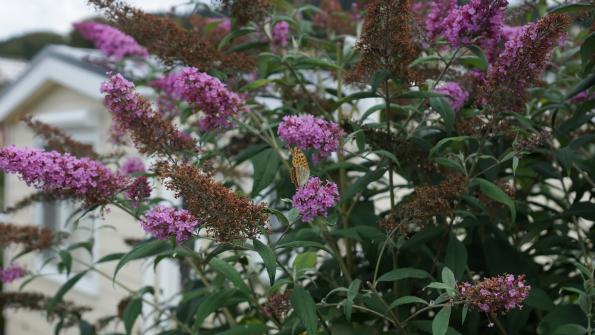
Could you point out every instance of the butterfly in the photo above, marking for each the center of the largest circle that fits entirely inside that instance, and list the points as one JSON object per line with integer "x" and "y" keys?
{"x": 300, "y": 171}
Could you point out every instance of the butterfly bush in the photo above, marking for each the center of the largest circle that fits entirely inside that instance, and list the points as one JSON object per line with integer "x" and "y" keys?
{"x": 132, "y": 165}
{"x": 434, "y": 19}
{"x": 524, "y": 58}
{"x": 207, "y": 93}
{"x": 12, "y": 273}
{"x": 455, "y": 94}
{"x": 166, "y": 222}
{"x": 138, "y": 191}
{"x": 110, "y": 40}
{"x": 64, "y": 174}
{"x": 496, "y": 294}
{"x": 132, "y": 113}
{"x": 412, "y": 188}
{"x": 314, "y": 198}
{"x": 280, "y": 33}
{"x": 309, "y": 132}
{"x": 479, "y": 21}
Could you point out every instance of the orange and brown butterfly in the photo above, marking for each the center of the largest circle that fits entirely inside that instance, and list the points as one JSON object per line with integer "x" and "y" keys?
{"x": 300, "y": 171}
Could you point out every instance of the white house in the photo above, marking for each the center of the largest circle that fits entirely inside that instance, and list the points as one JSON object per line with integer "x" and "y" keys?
{"x": 10, "y": 69}
{"x": 61, "y": 88}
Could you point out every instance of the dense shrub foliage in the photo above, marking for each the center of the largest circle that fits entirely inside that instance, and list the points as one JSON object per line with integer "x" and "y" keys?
{"x": 397, "y": 167}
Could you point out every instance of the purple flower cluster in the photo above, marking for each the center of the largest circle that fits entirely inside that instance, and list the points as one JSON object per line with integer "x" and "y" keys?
{"x": 495, "y": 294}
{"x": 131, "y": 112}
{"x": 111, "y": 41}
{"x": 164, "y": 222}
{"x": 64, "y": 174}
{"x": 435, "y": 17}
{"x": 122, "y": 100}
{"x": 280, "y": 33}
{"x": 12, "y": 273}
{"x": 309, "y": 132}
{"x": 314, "y": 198}
{"x": 581, "y": 97}
{"x": 207, "y": 93}
{"x": 521, "y": 63}
{"x": 455, "y": 93}
{"x": 223, "y": 24}
{"x": 479, "y": 21}
{"x": 138, "y": 191}
{"x": 132, "y": 165}
{"x": 511, "y": 32}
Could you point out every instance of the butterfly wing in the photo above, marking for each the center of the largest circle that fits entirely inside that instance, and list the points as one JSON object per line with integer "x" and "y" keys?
{"x": 300, "y": 171}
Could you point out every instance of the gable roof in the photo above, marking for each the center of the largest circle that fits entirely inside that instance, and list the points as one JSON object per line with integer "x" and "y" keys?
{"x": 55, "y": 64}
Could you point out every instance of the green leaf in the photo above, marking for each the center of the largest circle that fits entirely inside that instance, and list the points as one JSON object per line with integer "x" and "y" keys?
{"x": 583, "y": 209}
{"x": 266, "y": 164}
{"x": 378, "y": 78}
{"x": 440, "y": 286}
{"x": 440, "y": 322}
{"x": 409, "y": 299}
{"x": 362, "y": 183}
{"x": 251, "y": 329}
{"x": 424, "y": 59}
{"x": 445, "y": 141}
{"x": 387, "y": 154}
{"x": 450, "y": 163}
{"x": 143, "y": 250}
{"x": 351, "y": 294}
{"x": 304, "y": 261}
{"x": 212, "y": 303}
{"x": 230, "y": 273}
{"x": 448, "y": 278}
{"x": 255, "y": 85}
{"x": 63, "y": 290}
{"x": 279, "y": 215}
{"x": 111, "y": 257}
{"x": 354, "y": 97}
{"x": 571, "y": 8}
{"x": 482, "y": 62}
{"x": 85, "y": 328}
{"x": 404, "y": 273}
{"x": 456, "y": 256}
{"x": 234, "y": 34}
{"x": 585, "y": 84}
{"x": 464, "y": 311}
{"x": 495, "y": 193}
{"x": 445, "y": 110}
{"x": 570, "y": 329}
{"x": 268, "y": 258}
{"x": 131, "y": 313}
{"x": 587, "y": 51}
{"x": 302, "y": 244}
{"x": 418, "y": 95}
{"x": 316, "y": 63}
{"x": 305, "y": 309}
{"x": 65, "y": 260}
{"x": 561, "y": 315}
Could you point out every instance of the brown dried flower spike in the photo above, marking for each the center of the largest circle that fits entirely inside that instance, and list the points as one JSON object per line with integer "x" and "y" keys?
{"x": 226, "y": 215}
{"x": 56, "y": 139}
{"x": 173, "y": 44}
{"x": 66, "y": 311}
{"x": 387, "y": 42}
{"x": 31, "y": 237}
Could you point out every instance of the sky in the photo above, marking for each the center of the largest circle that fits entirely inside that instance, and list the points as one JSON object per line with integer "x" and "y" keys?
{"x": 21, "y": 16}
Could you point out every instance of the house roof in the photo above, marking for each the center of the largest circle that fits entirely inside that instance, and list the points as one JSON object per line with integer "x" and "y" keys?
{"x": 55, "y": 64}
{"x": 10, "y": 69}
